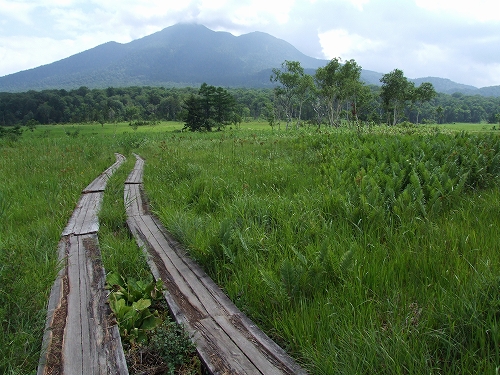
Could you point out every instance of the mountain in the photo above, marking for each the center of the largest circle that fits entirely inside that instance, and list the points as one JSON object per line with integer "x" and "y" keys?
{"x": 447, "y": 86}
{"x": 183, "y": 54}
{"x": 187, "y": 55}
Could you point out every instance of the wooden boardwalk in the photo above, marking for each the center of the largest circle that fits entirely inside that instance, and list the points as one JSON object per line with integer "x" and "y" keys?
{"x": 227, "y": 341}
{"x": 78, "y": 338}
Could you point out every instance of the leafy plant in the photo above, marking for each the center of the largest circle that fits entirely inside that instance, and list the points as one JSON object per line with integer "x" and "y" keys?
{"x": 173, "y": 344}
{"x": 133, "y": 290}
{"x": 135, "y": 320}
{"x": 131, "y": 302}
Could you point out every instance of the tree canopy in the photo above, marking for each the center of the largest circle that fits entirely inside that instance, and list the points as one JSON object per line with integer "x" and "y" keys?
{"x": 333, "y": 95}
{"x": 212, "y": 107}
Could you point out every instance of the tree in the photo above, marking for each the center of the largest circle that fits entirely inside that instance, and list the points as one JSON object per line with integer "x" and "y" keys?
{"x": 423, "y": 93}
{"x": 305, "y": 91}
{"x": 396, "y": 91}
{"x": 224, "y": 107}
{"x": 293, "y": 84}
{"x": 338, "y": 85}
{"x": 194, "y": 118}
{"x": 212, "y": 106}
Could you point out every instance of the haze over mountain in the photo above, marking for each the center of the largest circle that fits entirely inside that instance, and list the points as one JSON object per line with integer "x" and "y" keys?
{"x": 186, "y": 55}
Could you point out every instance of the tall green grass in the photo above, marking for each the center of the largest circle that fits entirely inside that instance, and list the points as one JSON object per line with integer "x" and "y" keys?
{"x": 40, "y": 183}
{"x": 360, "y": 253}
{"x": 42, "y": 175}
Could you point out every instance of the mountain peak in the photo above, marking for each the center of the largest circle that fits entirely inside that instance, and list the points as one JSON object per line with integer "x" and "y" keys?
{"x": 182, "y": 54}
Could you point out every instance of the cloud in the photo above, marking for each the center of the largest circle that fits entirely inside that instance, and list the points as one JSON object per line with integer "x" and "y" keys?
{"x": 18, "y": 11}
{"x": 452, "y": 39}
{"x": 341, "y": 43}
{"x": 42, "y": 51}
{"x": 478, "y": 10}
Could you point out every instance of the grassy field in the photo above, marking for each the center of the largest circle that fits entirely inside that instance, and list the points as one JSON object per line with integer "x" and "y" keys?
{"x": 359, "y": 252}
{"x": 472, "y": 128}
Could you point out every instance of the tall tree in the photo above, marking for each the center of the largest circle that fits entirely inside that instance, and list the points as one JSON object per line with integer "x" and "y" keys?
{"x": 423, "y": 93}
{"x": 396, "y": 91}
{"x": 339, "y": 85}
{"x": 305, "y": 92}
{"x": 327, "y": 81}
{"x": 290, "y": 77}
{"x": 213, "y": 106}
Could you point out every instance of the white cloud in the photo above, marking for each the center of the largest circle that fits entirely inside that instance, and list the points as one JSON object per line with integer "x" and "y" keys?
{"x": 42, "y": 51}
{"x": 18, "y": 11}
{"x": 262, "y": 12}
{"x": 359, "y": 3}
{"x": 479, "y": 10}
{"x": 341, "y": 43}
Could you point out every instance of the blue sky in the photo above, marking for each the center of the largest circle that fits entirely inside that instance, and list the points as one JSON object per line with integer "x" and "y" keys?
{"x": 459, "y": 40}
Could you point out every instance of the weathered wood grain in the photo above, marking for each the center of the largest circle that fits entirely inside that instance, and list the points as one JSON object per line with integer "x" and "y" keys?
{"x": 135, "y": 177}
{"x": 99, "y": 184}
{"x": 79, "y": 338}
{"x": 227, "y": 341}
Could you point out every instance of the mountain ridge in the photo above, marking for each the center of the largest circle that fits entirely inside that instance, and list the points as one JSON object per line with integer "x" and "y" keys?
{"x": 187, "y": 55}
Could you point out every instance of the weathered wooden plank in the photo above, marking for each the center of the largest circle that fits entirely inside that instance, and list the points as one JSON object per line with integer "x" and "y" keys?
{"x": 241, "y": 321}
{"x": 135, "y": 177}
{"x": 176, "y": 264}
{"x": 99, "y": 184}
{"x": 56, "y": 317}
{"x": 246, "y": 344}
{"x": 79, "y": 338}
{"x": 221, "y": 308}
{"x": 133, "y": 200}
{"x": 224, "y": 356}
{"x": 90, "y": 221}
{"x": 104, "y": 340}
{"x": 84, "y": 218}
{"x": 227, "y": 341}
{"x": 264, "y": 343}
{"x": 72, "y": 356}
{"x": 175, "y": 279}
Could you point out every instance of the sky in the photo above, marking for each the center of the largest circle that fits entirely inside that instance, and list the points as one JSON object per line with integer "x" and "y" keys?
{"x": 454, "y": 39}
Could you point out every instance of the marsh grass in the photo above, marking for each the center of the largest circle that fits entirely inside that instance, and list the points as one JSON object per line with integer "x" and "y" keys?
{"x": 359, "y": 253}
{"x": 372, "y": 251}
{"x": 40, "y": 183}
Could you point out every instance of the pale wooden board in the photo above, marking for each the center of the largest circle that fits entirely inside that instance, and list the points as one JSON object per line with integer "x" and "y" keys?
{"x": 133, "y": 200}
{"x": 135, "y": 177}
{"x": 91, "y": 346}
{"x": 225, "y": 356}
{"x": 99, "y": 184}
{"x": 84, "y": 218}
{"x": 76, "y": 334}
{"x": 180, "y": 288}
{"x": 247, "y": 346}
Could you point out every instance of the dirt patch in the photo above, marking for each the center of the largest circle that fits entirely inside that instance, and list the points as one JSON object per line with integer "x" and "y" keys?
{"x": 54, "y": 365}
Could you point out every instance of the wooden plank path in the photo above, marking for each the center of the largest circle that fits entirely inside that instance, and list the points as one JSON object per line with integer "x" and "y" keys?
{"x": 227, "y": 341}
{"x": 78, "y": 338}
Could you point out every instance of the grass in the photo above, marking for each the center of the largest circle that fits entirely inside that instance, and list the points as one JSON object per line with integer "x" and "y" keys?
{"x": 305, "y": 225}
{"x": 471, "y": 128}
{"x": 300, "y": 228}
{"x": 41, "y": 180}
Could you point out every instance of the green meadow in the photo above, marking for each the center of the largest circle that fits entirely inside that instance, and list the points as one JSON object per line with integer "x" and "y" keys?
{"x": 360, "y": 251}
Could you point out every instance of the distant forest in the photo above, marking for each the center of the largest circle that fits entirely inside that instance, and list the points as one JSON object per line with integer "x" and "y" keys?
{"x": 110, "y": 105}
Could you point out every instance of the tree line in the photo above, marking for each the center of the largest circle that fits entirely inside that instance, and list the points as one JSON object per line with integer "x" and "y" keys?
{"x": 333, "y": 96}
